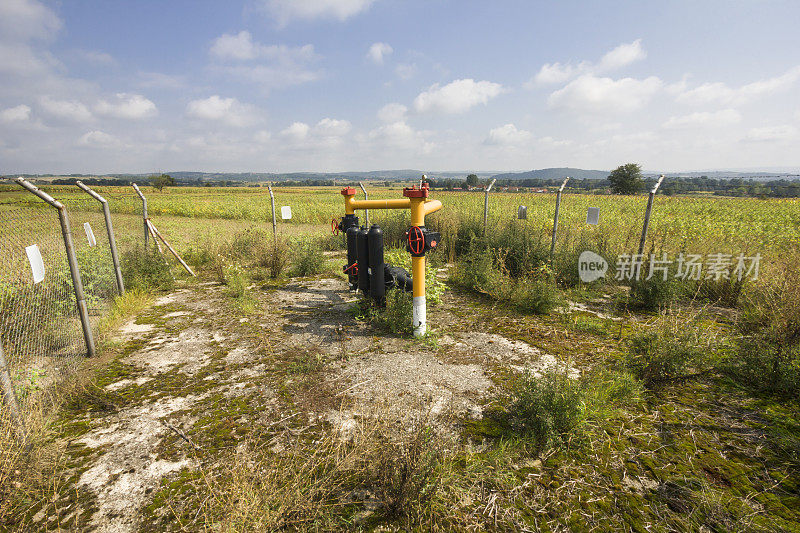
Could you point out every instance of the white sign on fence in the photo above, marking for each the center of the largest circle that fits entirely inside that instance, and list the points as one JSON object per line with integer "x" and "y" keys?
{"x": 89, "y": 234}
{"x": 286, "y": 212}
{"x": 593, "y": 215}
{"x": 37, "y": 264}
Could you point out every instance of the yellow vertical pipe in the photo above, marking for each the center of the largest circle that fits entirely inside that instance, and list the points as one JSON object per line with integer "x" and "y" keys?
{"x": 417, "y": 211}
{"x": 418, "y": 275}
{"x": 419, "y": 304}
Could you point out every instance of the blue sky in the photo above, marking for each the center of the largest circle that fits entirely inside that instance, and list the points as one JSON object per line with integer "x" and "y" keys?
{"x": 333, "y": 85}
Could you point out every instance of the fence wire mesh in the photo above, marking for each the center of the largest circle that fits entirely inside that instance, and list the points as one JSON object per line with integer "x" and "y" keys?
{"x": 39, "y": 324}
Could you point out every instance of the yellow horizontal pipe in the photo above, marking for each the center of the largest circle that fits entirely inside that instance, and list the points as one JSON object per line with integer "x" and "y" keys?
{"x": 432, "y": 206}
{"x": 395, "y": 203}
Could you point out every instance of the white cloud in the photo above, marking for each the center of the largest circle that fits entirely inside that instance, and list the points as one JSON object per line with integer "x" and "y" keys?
{"x": 406, "y": 71}
{"x": 548, "y": 143}
{"x": 621, "y": 56}
{"x": 98, "y": 138}
{"x": 590, "y": 94}
{"x": 457, "y": 96}
{"x": 327, "y": 133}
{"x": 239, "y": 46}
{"x": 27, "y": 19}
{"x": 393, "y": 112}
{"x": 262, "y": 136}
{"x": 772, "y": 134}
{"x": 399, "y": 135}
{"x": 66, "y": 109}
{"x": 226, "y": 110}
{"x": 723, "y": 94}
{"x": 285, "y": 11}
{"x": 270, "y": 66}
{"x": 21, "y": 60}
{"x": 507, "y": 135}
{"x": 723, "y": 117}
{"x": 552, "y": 73}
{"x": 298, "y": 131}
{"x": 329, "y": 127}
{"x": 273, "y": 77}
{"x": 378, "y": 51}
{"x": 20, "y": 113}
{"x": 129, "y": 106}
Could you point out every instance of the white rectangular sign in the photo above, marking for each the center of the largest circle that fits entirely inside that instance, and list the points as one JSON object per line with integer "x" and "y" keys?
{"x": 37, "y": 264}
{"x": 286, "y": 212}
{"x": 593, "y": 215}
{"x": 89, "y": 234}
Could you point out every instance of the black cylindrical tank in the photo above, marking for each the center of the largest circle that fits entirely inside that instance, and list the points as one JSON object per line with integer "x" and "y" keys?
{"x": 362, "y": 247}
{"x": 377, "y": 289}
{"x": 352, "y": 256}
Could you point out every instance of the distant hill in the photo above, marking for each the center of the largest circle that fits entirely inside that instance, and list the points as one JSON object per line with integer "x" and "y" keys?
{"x": 554, "y": 173}
{"x": 388, "y": 175}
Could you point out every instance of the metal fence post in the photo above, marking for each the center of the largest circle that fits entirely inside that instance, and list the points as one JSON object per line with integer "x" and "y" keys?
{"x": 77, "y": 283}
{"x": 647, "y": 214}
{"x": 7, "y": 392}
{"x": 110, "y": 229}
{"x": 486, "y": 206}
{"x": 366, "y": 197}
{"x": 144, "y": 214}
{"x": 555, "y": 218}
{"x": 274, "y": 223}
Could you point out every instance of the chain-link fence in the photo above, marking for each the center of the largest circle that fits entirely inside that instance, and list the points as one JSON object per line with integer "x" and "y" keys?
{"x": 42, "y": 335}
{"x": 39, "y": 323}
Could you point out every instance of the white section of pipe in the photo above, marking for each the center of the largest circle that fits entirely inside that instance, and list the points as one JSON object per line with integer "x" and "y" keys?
{"x": 418, "y": 316}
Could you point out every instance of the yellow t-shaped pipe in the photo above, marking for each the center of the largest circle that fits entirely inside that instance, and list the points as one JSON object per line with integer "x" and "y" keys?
{"x": 419, "y": 206}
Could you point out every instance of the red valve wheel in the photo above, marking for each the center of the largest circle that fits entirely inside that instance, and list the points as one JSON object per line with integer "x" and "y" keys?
{"x": 334, "y": 226}
{"x": 416, "y": 240}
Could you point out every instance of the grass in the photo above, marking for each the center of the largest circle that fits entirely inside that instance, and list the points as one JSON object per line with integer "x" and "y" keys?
{"x": 672, "y": 347}
{"x": 683, "y": 418}
{"x": 34, "y": 467}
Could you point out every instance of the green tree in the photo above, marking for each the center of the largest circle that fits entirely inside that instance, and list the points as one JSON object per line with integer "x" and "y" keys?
{"x": 626, "y": 179}
{"x": 164, "y": 180}
{"x": 472, "y": 180}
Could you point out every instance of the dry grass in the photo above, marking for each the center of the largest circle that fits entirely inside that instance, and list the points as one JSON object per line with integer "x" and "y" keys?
{"x": 32, "y": 463}
{"x": 370, "y": 471}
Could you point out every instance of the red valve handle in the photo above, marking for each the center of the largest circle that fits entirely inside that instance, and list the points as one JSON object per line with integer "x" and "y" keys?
{"x": 334, "y": 226}
{"x": 416, "y": 240}
{"x": 353, "y": 268}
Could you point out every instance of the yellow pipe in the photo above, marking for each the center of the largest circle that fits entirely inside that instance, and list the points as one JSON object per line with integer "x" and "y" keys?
{"x": 432, "y": 206}
{"x": 418, "y": 311}
{"x": 417, "y": 211}
{"x": 394, "y": 203}
{"x": 419, "y": 208}
{"x": 418, "y": 275}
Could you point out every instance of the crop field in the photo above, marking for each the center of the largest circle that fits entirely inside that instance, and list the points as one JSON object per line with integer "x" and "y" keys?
{"x": 678, "y": 223}
{"x": 263, "y": 395}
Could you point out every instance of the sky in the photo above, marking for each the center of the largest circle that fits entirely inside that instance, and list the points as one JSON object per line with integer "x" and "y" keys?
{"x": 334, "y": 85}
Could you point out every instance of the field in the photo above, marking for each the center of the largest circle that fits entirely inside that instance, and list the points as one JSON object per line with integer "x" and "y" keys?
{"x": 263, "y": 395}
{"x": 692, "y": 223}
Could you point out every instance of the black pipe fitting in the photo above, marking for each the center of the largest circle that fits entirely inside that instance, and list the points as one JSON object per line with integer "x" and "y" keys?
{"x": 351, "y": 268}
{"x": 362, "y": 258}
{"x": 377, "y": 288}
{"x": 347, "y": 222}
